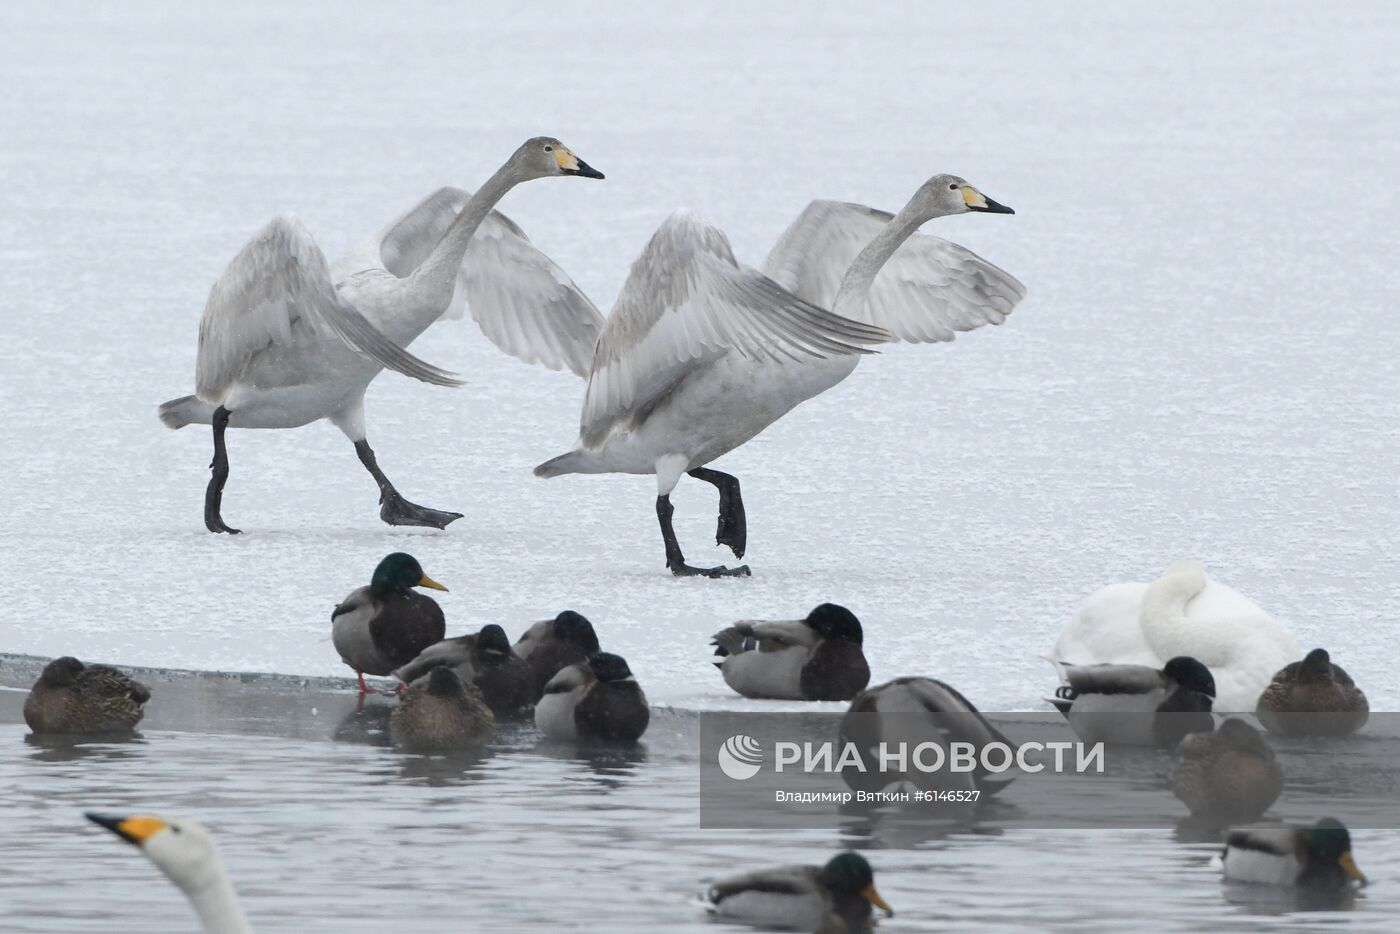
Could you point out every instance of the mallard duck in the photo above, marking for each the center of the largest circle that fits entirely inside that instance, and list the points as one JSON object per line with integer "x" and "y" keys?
{"x": 833, "y": 899}
{"x": 484, "y": 659}
{"x": 1136, "y": 704}
{"x": 596, "y": 699}
{"x": 553, "y": 644}
{"x": 911, "y": 712}
{"x": 1313, "y": 697}
{"x": 439, "y": 713}
{"x": 1182, "y": 612}
{"x": 185, "y": 852}
{"x": 71, "y": 697}
{"x": 1315, "y": 857}
{"x": 817, "y": 658}
{"x": 380, "y": 627}
{"x": 1228, "y": 776}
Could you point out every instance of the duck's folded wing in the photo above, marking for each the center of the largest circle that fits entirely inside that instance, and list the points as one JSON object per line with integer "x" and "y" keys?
{"x": 1112, "y": 679}
{"x": 522, "y": 301}
{"x": 277, "y": 291}
{"x": 774, "y": 635}
{"x": 928, "y": 290}
{"x": 780, "y": 880}
{"x": 688, "y": 301}
{"x": 1275, "y": 841}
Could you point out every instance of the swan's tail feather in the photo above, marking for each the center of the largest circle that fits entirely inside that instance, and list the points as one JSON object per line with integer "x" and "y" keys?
{"x": 187, "y": 410}
{"x": 572, "y": 462}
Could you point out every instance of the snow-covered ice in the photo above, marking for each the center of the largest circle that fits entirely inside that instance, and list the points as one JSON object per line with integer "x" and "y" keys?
{"x": 1205, "y": 364}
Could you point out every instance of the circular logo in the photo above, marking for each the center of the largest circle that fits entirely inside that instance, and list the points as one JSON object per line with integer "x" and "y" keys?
{"x": 740, "y": 757}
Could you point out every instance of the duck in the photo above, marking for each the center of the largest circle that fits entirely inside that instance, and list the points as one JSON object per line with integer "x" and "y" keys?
{"x": 1182, "y": 612}
{"x": 1137, "y": 704}
{"x": 186, "y": 853}
{"x": 71, "y": 697}
{"x": 702, "y": 353}
{"x": 1305, "y": 857}
{"x": 553, "y": 644}
{"x": 913, "y": 711}
{"x": 1226, "y": 776}
{"x": 837, "y": 898}
{"x": 384, "y": 625}
{"x": 595, "y": 699}
{"x": 816, "y": 658}
{"x": 440, "y": 713}
{"x": 485, "y": 659}
{"x": 1314, "y": 697}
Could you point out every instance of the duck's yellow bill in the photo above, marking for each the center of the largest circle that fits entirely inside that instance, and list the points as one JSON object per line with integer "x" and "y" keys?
{"x": 873, "y": 897}
{"x": 1349, "y": 867}
{"x": 430, "y": 583}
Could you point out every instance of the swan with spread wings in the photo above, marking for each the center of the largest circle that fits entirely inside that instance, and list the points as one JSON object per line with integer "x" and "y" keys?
{"x": 702, "y": 353}
{"x": 287, "y": 340}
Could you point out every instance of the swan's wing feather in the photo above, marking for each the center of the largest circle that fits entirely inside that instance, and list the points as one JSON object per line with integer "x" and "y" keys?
{"x": 278, "y": 290}
{"x": 522, "y": 301}
{"x": 688, "y": 301}
{"x": 928, "y": 291}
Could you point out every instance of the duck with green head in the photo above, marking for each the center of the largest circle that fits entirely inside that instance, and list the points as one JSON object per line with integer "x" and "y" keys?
{"x": 386, "y": 624}
{"x": 837, "y": 898}
{"x": 551, "y": 645}
{"x": 820, "y": 657}
{"x": 1317, "y": 857}
{"x": 1137, "y": 705}
{"x": 595, "y": 699}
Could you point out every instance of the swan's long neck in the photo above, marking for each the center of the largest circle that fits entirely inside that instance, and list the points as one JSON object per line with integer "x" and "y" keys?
{"x": 431, "y": 285}
{"x": 1163, "y": 615}
{"x": 218, "y": 908}
{"x": 855, "y": 285}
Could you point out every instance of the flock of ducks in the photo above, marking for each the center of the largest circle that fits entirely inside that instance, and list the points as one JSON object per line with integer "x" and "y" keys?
{"x": 453, "y": 691}
{"x": 700, "y": 354}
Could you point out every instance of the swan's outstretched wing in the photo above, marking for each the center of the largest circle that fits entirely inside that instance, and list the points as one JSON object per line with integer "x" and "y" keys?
{"x": 276, "y": 292}
{"x": 929, "y": 289}
{"x": 688, "y": 301}
{"x": 522, "y": 301}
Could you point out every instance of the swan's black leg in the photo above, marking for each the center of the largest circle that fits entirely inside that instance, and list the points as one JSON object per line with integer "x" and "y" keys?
{"x": 675, "y": 560}
{"x": 218, "y": 468}
{"x": 733, "y": 528}
{"x": 393, "y": 508}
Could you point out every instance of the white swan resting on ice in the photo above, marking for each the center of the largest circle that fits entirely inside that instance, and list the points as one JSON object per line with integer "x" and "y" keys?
{"x": 1183, "y": 612}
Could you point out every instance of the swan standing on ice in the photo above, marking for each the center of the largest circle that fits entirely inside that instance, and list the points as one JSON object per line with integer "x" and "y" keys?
{"x": 283, "y": 343}
{"x": 701, "y": 353}
{"x": 185, "y": 852}
{"x": 1183, "y": 612}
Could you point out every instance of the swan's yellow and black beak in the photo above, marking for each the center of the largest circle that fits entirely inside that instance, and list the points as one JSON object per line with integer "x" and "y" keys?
{"x": 134, "y": 830}
{"x": 873, "y": 897}
{"x": 428, "y": 582}
{"x": 570, "y": 164}
{"x": 976, "y": 201}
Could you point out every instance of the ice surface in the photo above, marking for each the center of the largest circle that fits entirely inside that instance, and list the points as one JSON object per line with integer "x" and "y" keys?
{"x": 1205, "y": 365}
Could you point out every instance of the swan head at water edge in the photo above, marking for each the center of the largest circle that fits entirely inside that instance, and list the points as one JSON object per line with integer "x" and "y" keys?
{"x": 182, "y": 849}
{"x": 545, "y": 156}
{"x": 943, "y": 195}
